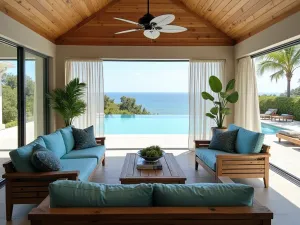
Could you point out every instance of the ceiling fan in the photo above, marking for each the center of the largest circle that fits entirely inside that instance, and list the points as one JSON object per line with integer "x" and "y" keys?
{"x": 152, "y": 26}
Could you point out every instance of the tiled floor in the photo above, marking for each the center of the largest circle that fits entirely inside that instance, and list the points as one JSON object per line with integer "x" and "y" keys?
{"x": 282, "y": 197}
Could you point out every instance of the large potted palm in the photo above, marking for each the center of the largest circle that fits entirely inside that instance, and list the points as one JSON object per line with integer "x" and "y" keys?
{"x": 68, "y": 102}
{"x": 220, "y": 110}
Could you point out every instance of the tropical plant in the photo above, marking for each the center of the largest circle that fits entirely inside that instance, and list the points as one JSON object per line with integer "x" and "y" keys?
{"x": 220, "y": 109}
{"x": 282, "y": 63}
{"x": 68, "y": 101}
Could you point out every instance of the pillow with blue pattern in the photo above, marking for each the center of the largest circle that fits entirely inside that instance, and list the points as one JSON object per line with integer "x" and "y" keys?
{"x": 44, "y": 160}
{"x": 224, "y": 141}
{"x": 84, "y": 138}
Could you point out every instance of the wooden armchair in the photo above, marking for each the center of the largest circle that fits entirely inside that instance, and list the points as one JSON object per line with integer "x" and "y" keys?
{"x": 238, "y": 165}
{"x": 32, "y": 188}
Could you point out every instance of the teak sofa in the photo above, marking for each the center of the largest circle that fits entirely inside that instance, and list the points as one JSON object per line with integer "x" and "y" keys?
{"x": 26, "y": 186}
{"x": 232, "y": 165}
{"x": 229, "y": 213}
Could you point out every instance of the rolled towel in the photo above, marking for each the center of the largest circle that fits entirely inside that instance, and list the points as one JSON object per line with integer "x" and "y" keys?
{"x": 290, "y": 133}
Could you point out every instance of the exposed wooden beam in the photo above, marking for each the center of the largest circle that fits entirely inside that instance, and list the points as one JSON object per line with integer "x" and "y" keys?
{"x": 83, "y": 22}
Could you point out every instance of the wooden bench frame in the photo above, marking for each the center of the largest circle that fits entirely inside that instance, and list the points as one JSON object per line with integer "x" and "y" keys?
{"x": 32, "y": 188}
{"x": 238, "y": 165}
{"x": 288, "y": 138}
{"x": 257, "y": 214}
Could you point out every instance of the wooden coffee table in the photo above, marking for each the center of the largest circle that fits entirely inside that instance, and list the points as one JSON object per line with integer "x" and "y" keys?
{"x": 171, "y": 172}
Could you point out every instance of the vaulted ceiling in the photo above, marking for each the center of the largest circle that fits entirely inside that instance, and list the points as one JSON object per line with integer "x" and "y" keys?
{"x": 90, "y": 22}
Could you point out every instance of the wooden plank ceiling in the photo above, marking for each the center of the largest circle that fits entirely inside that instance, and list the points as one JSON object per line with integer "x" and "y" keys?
{"x": 90, "y": 22}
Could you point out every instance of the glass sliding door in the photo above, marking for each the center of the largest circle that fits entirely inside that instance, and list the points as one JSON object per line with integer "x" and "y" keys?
{"x": 34, "y": 96}
{"x": 8, "y": 102}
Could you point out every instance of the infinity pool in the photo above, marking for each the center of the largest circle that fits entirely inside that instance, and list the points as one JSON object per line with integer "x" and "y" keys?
{"x": 156, "y": 124}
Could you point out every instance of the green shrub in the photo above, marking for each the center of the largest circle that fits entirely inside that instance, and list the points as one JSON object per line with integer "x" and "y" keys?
{"x": 284, "y": 105}
{"x": 11, "y": 124}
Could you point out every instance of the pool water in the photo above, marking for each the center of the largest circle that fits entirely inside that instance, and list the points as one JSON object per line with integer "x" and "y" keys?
{"x": 269, "y": 129}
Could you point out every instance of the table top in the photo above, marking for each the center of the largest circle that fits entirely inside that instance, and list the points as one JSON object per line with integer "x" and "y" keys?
{"x": 170, "y": 173}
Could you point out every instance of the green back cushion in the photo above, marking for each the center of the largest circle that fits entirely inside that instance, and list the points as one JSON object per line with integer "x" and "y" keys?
{"x": 66, "y": 193}
{"x": 21, "y": 156}
{"x": 247, "y": 141}
{"x": 224, "y": 141}
{"x": 84, "y": 138}
{"x": 55, "y": 143}
{"x": 210, "y": 195}
{"x": 67, "y": 135}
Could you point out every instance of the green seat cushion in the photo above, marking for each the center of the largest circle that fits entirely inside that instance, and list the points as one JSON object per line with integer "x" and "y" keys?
{"x": 95, "y": 152}
{"x": 21, "y": 157}
{"x": 209, "y": 195}
{"x": 55, "y": 143}
{"x": 84, "y": 166}
{"x": 208, "y": 156}
{"x": 66, "y": 193}
{"x": 67, "y": 135}
{"x": 247, "y": 141}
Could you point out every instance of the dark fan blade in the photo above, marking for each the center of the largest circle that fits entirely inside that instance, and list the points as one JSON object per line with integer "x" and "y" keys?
{"x": 127, "y": 31}
{"x": 127, "y": 21}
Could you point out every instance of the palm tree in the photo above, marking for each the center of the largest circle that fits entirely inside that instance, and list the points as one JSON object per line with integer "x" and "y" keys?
{"x": 282, "y": 63}
{"x": 68, "y": 101}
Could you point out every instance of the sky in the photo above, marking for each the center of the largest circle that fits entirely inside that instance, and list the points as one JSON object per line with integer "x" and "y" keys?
{"x": 145, "y": 76}
{"x": 29, "y": 68}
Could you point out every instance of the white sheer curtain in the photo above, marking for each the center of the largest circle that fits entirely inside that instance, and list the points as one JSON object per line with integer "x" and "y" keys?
{"x": 246, "y": 110}
{"x": 89, "y": 71}
{"x": 199, "y": 73}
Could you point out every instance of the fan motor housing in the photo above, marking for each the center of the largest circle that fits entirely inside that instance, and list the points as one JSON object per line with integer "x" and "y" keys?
{"x": 145, "y": 20}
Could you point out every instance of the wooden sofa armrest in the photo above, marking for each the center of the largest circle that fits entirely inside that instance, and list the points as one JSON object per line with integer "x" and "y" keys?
{"x": 265, "y": 148}
{"x": 244, "y": 156}
{"x": 201, "y": 143}
{"x": 100, "y": 140}
{"x": 70, "y": 175}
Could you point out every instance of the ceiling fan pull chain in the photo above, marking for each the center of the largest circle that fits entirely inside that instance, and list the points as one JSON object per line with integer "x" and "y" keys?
{"x": 148, "y": 6}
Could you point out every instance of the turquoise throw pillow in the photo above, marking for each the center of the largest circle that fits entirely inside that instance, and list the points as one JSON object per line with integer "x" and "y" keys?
{"x": 224, "y": 141}
{"x": 55, "y": 143}
{"x": 44, "y": 160}
{"x": 67, "y": 135}
{"x": 249, "y": 142}
{"x": 84, "y": 138}
{"x": 67, "y": 193}
{"x": 199, "y": 195}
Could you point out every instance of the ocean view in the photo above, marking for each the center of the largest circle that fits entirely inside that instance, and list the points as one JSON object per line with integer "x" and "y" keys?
{"x": 171, "y": 103}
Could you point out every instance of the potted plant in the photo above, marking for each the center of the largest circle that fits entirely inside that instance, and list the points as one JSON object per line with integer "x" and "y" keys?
{"x": 220, "y": 109}
{"x": 68, "y": 101}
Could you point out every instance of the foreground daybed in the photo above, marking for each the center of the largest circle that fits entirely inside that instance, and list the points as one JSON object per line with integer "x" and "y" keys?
{"x": 289, "y": 135}
{"x": 159, "y": 204}
{"x": 251, "y": 163}
{"x": 24, "y": 185}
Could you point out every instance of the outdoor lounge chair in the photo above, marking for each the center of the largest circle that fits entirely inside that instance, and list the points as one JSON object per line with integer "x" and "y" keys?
{"x": 268, "y": 114}
{"x": 291, "y": 136}
{"x": 282, "y": 117}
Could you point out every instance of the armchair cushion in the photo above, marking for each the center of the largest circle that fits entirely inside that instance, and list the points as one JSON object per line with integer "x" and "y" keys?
{"x": 67, "y": 135}
{"x": 94, "y": 152}
{"x": 87, "y": 194}
{"x": 55, "y": 143}
{"x": 21, "y": 156}
{"x": 208, "y": 156}
{"x": 85, "y": 166}
{"x": 247, "y": 141}
{"x": 197, "y": 195}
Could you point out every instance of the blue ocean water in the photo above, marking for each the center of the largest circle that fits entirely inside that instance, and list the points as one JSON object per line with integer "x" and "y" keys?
{"x": 157, "y": 103}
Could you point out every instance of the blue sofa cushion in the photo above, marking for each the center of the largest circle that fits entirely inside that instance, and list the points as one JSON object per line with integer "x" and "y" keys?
{"x": 247, "y": 141}
{"x": 209, "y": 195}
{"x": 55, "y": 143}
{"x": 21, "y": 156}
{"x": 44, "y": 160}
{"x": 84, "y": 138}
{"x": 224, "y": 141}
{"x": 86, "y": 194}
{"x": 67, "y": 135}
{"x": 95, "y": 152}
{"x": 84, "y": 166}
{"x": 208, "y": 156}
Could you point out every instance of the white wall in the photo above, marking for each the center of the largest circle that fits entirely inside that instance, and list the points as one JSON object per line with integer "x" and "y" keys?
{"x": 139, "y": 52}
{"x": 280, "y": 33}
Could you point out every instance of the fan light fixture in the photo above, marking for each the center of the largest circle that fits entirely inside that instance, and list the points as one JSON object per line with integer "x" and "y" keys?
{"x": 153, "y": 26}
